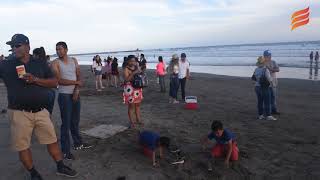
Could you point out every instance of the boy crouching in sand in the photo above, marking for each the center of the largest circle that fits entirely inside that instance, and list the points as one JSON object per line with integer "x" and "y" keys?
{"x": 151, "y": 142}
{"x": 225, "y": 146}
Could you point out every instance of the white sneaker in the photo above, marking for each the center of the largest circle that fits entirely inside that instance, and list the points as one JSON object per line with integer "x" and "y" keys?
{"x": 261, "y": 117}
{"x": 175, "y": 102}
{"x": 210, "y": 167}
{"x": 271, "y": 118}
{"x": 175, "y": 151}
{"x": 178, "y": 162}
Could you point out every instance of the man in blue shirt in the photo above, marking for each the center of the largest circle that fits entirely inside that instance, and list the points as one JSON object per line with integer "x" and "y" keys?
{"x": 226, "y": 145}
{"x": 151, "y": 142}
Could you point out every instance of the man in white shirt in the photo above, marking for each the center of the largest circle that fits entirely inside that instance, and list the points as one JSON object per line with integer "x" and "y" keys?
{"x": 184, "y": 73}
{"x": 273, "y": 68}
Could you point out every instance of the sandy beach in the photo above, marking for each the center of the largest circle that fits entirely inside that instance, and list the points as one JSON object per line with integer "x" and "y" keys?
{"x": 283, "y": 149}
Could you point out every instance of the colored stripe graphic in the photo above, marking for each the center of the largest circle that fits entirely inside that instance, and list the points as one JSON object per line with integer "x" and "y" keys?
{"x": 300, "y": 18}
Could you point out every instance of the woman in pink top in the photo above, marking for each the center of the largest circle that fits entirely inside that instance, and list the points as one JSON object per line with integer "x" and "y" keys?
{"x": 161, "y": 72}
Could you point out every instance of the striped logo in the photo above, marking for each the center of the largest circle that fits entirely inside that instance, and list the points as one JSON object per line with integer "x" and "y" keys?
{"x": 300, "y": 18}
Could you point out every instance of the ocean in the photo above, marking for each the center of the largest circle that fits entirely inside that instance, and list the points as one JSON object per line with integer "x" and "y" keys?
{"x": 232, "y": 60}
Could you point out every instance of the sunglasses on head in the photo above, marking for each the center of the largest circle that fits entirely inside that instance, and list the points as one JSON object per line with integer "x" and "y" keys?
{"x": 16, "y": 46}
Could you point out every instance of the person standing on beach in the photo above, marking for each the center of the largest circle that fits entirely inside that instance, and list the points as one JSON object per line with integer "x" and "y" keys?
{"x": 262, "y": 88}
{"x": 67, "y": 71}
{"x": 28, "y": 82}
{"x": 132, "y": 95}
{"x": 143, "y": 67}
{"x": 161, "y": 72}
{"x": 311, "y": 67}
{"x": 97, "y": 68}
{"x": 40, "y": 55}
{"x": 316, "y": 67}
{"x": 273, "y": 68}
{"x": 108, "y": 71}
{"x": 1, "y": 57}
{"x": 124, "y": 63}
{"x": 173, "y": 71}
{"x": 184, "y": 74}
{"x": 115, "y": 72}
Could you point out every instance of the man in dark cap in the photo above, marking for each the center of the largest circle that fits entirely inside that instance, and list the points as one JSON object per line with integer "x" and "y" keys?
{"x": 274, "y": 69}
{"x": 28, "y": 82}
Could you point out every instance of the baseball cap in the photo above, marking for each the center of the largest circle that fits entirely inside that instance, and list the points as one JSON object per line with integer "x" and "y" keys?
{"x": 18, "y": 39}
{"x": 183, "y": 55}
{"x": 267, "y": 53}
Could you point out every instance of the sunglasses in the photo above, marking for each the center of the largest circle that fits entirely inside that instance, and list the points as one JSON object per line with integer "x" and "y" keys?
{"x": 16, "y": 46}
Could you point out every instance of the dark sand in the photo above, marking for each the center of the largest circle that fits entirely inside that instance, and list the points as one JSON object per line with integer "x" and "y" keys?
{"x": 283, "y": 149}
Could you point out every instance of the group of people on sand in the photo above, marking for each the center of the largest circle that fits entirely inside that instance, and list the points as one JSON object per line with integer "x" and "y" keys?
{"x": 266, "y": 84}
{"x": 314, "y": 58}
{"x": 135, "y": 71}
{"x": 178, "y": 71}
{"x": 151, "y": 142}
{"x": 31, "y": 83}
{"x": 225, "y": 148}
{"x": 108, "y": 71}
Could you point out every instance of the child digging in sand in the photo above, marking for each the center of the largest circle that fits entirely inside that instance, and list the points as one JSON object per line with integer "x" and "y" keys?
{"x": 152, "y": 142}
{"x": 225, "y": 146}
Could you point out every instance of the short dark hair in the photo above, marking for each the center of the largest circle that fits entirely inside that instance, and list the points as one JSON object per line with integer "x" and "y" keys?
{"x": 216, "y": 125}
{"x": 63, "y": 44}
{"x": 142, "y": 55}
{"x": 164, "y": 141}
{"x": 131, "y": 56}
{"x": 160, "y": 59}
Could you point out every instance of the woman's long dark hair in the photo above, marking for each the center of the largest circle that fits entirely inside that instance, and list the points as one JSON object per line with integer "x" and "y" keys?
{"x": 160, "y": 59}
{"x": 98, "y": 60}
{"x": 40, "y": 53}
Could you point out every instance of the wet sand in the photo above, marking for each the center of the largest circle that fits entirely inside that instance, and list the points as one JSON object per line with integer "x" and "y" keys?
{"x": 283, "y": 149}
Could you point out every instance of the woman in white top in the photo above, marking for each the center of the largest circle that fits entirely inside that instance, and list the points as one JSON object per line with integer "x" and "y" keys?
{"x": 97, "y": 67}
{"x": 173, "y": 70}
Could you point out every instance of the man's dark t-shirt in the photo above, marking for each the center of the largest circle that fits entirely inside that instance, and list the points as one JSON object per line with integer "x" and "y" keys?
{"x": 20, "y": 94}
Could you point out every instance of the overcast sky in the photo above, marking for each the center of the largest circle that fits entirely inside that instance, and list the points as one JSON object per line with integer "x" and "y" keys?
{"x": 105, "y": 25}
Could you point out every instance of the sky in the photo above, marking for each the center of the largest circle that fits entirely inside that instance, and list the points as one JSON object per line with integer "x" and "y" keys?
{"x": 112, "y": 25}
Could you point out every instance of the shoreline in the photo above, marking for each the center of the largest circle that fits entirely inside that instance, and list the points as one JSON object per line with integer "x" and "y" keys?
{"x": 243, "y": 71}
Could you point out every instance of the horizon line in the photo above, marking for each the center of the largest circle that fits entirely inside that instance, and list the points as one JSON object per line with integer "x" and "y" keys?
{"x": 185, "y": 47}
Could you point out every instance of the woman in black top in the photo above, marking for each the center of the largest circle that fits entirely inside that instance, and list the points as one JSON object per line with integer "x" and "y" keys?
{"x": 115, "y": 72}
